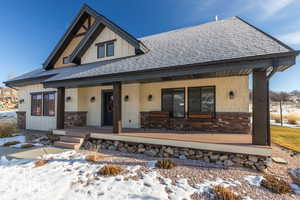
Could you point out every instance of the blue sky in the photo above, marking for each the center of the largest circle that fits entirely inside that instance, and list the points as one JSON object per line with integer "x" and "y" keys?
{"x": 30, "y": 29}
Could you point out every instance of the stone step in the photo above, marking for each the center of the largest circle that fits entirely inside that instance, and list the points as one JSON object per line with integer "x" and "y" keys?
{"x": 67, "y": 145}
{"x": 71, "y": 139}
{"x": 76, "y": 134}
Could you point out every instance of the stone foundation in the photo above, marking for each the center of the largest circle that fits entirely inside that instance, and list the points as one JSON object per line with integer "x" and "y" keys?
{"x": 74, "y": 119}
{"x": 221, "y": 158}
{"x": 227, "y": 122}
{"x": 21, "y": 119}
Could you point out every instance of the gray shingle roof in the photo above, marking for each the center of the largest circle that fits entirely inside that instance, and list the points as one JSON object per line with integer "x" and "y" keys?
{"x": 220, "y": 40}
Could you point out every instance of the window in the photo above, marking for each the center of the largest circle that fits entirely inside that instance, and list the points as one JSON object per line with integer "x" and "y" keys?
{"x": 43, "y": 104}
{"x": 66, "y": 60}
{"x": 36, "y": 104}
{"x": 201, "y": 99}
{"x": 101, "y": 51}
{"x": 173, "y": 101}
{"x": 49, "y": 104}
{"x": 110, "y": 48}
{"x": 106, "y": 49}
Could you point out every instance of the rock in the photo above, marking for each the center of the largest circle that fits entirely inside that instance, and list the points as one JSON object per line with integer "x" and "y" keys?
{"x": 268, "y": 161}
{"x": 237, "y": 160}
{"x": 261, "y": 168}
{"x": 141, "y": 146}
{"x": 182, "y": 157}
{"x": 253, "y": 158}
{"x": 219, "y": 162}
{"x": 169, "y": 150}
{"x": 279, "y": 160}
{"x": 141, "y": 150}
{"x": 150, "y": 152}
{"x": 191, "y": 152}
{"x": 295, "y": 175}
{"x": 224, "y": 157}
{"x": 228, "y": 163}
{"x": 112, "y": 147}
{"x": 214, "y": 157}
{"x": 116, "y": 143}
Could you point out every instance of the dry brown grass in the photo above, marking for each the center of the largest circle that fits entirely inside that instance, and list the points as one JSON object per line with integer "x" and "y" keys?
{"x": 40, "y": 163}
{"x": 222, "y": 193}
{"x": 25, "y": 146}
{"x": 94, "y": 158}
{"x": 165, "y": 164}
{"x": 7, "y": 129}
{"x": 7, "y": 144}
{"x": 110, "y": 170}
{"x": 293, "y": 118}
{"x": 276, "y": 185}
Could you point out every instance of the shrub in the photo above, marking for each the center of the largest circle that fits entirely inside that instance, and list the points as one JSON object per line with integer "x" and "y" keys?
{"x": 7, "y": 129}
{"x": 276, "y": 117}
{"x": 11, "y": 143}
{"x": 40, "y": 163}
{"x": 110, "y": 170}
{"x": 275, "y": 185}
{"x": 222, "y": 193}
{"x": 25, "y": 146}
{"x": 165, "y": 164}
{"x": 94, "y": 158}
{"x": 293, "y": 118}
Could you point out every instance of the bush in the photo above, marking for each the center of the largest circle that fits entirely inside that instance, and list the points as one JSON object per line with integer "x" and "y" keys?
{"x": 276, "y": 117}
{"x": 110, "y": 170}
{"x": 275, "y": 185}
{"x": 25, "y": 146}
{"x": 293, "y": 118}
{"x": 7, "y": 129}
{"x": 222, "y": 193}
{"x": 165, "y": 164}
{"x": 40, "y": 163}
{"x": 11, "y": 143}
{"x": 94, "y": 158}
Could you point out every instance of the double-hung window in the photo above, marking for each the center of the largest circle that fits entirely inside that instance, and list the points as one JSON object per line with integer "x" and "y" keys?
{"x": 43, "y": 104}
{"x": 173, "y": 101}
{"x": 201, "y": 99}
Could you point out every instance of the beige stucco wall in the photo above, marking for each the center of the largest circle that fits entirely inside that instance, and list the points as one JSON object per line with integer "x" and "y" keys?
{"x": 238, "y": 84}
{"x": 35, "y": 122}
{"x": 122, "y": 47}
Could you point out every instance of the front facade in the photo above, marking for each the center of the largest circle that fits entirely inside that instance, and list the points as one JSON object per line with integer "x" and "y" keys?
{"x": 192, "y": 79}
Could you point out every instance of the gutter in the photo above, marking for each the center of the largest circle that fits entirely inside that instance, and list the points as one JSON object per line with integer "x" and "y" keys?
{"x": 274, "y": 69}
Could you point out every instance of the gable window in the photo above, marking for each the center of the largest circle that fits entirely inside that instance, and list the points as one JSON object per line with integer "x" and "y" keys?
{"x": 201, "y": 99}
{"x": 106, "y": 49}
{"x": 49, "y": 104}
{"x": 43, "y": 104}
{"x": 66, "y": 60}
{"x": 173, "y": 101}
{"x": 36, "y": 104}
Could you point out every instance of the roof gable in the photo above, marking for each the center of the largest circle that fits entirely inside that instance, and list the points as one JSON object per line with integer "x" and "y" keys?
{"x": 88, "y": 38}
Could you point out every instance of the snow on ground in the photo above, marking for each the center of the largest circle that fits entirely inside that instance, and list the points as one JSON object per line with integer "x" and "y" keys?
{"x": 69, "y": 176}
{"x": 284, "y": 124}
{"x": 20, "y": 139}
{"x": 254, "y": 180}
{"x": 8, "y": 116}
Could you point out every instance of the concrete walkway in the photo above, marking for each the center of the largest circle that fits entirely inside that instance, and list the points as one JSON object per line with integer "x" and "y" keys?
{"x": 29, "y": 153}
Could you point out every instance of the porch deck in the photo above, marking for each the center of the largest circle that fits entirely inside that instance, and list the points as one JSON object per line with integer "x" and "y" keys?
{"x": 223, "y": 142}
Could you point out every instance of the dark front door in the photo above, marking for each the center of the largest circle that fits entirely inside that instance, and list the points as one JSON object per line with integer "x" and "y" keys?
{"x": 107, "y": 108}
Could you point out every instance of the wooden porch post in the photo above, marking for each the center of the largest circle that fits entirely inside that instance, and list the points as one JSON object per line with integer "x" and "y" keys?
{"x": 60, "y": 119}
{"x": 260, "y": 109}
{"x": 117, "y": 109}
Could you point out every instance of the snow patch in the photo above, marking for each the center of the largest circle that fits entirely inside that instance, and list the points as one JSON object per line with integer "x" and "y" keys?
{"x": 254, "y": 180}
{"x": 295, "y": 188}
{"x": 20, "y": 139}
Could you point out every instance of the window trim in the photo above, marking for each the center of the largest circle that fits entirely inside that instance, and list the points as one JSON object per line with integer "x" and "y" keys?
{"x": 98, "y": 46}
{"x": 31, "y": 103}
{"x": 43, "y": 93}
{"x": 184, "y": 97}
{"x": 105, "y": 47}
{"x": 200, "y": 87}
{"x": 66, "y": 58}
{"x": 47, "y": 93}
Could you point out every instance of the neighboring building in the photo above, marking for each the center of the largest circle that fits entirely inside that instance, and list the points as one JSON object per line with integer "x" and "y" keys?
{"x": 190, "y": 79}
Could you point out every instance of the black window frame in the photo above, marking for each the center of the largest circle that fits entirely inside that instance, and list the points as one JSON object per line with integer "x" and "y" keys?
{"x": 44, "y": 110}
{"x": 98, "y": 47}
{"x": 173, "y": 90}
{"x": 42, "y": 103}
{"x": 105, "y": 47}
{"x": 201, "y": 87}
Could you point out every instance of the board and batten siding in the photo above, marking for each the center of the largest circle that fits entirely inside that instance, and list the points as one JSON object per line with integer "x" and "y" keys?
{"x": 121, "y": 46}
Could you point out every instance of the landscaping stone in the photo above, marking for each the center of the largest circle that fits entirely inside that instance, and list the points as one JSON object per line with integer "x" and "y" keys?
{"x": 279, "y": 160}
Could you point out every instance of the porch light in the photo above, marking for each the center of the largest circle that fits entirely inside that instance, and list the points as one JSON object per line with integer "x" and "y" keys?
{"x": 231, "y": 95}
{"x": 126, "y": 98}
{"x": 150, "y": 97}
{"x": 92, "y": 100}
{"x": 21, "y": 101}
{"x": 68, "y": 99}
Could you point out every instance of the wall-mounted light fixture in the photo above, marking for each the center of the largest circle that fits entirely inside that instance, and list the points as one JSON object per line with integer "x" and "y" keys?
{"x": 68, "y": 98}
{"x": 21, "y": 101}
{"x": 126, "y": 98}
{"x": 150, "y": 97}
{"x": 231, "y": 94}
{"x": 92, "y": 99}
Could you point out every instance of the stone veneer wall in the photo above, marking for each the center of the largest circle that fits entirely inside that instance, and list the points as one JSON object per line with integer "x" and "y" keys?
{"x": 75, "y": 118}
{"x": 233, "y": 122}
{"x": 221, "y": 158}
{"x": 21, "y": 119}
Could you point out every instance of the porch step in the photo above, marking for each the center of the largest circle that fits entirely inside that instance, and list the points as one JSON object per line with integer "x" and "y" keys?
{"x": 76, "y": 134}
{"x": 71, "y": 139}
{"x": 67, "y": 145}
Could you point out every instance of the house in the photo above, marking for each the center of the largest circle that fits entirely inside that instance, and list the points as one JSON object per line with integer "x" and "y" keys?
{"x": 193, "y": 80}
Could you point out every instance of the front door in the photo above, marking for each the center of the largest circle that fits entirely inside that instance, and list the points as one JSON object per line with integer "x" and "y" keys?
{"x": 107, "y": 108}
